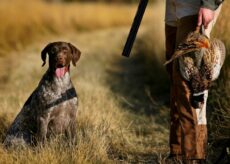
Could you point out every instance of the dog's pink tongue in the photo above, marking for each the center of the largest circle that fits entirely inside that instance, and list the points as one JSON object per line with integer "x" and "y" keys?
{"x": 60, "y": 72}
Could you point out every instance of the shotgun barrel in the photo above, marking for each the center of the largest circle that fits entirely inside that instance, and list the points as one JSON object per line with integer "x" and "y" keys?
{"x": 134, "y": 29}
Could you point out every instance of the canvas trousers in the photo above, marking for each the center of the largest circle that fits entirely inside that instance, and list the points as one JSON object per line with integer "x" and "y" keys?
{"x": 188, "y": 130}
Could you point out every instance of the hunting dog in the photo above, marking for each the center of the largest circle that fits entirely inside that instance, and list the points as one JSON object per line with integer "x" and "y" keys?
{"x": 51, "y": 108}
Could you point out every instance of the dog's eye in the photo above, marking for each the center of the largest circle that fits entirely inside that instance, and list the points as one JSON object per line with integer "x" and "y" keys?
{"x": 52, "y": 51}
{"x": 65, "y": 52}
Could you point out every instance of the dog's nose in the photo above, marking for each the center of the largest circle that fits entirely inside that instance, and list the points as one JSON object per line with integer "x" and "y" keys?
{"x": 59, "y": 58}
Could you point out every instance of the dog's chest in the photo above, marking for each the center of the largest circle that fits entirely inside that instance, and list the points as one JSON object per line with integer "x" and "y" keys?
{"x": 57, "y": 93}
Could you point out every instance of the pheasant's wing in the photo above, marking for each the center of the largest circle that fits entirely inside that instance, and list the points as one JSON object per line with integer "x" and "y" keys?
{"x": 187, "y": 67}
{"x": 219, "y": 51}
{"x": 191, "y": 43}
{"x": 213, "y": 59}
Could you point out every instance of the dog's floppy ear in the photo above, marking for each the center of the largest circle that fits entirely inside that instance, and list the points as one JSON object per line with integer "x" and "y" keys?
{"x": 76, "y": 53}
{"x": 44, "y": 52}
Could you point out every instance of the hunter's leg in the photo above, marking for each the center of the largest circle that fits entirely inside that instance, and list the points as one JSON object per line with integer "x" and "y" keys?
{"x": 175, "y": 128}
{"x": 170, "y": 35}
{"x": 194, "y": 135}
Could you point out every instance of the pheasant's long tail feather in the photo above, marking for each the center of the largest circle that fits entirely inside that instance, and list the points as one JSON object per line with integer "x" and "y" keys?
{"x": 179, "y": 53}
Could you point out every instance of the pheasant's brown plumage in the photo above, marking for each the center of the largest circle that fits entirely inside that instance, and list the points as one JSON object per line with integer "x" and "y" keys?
{"x": 200, "y": 60}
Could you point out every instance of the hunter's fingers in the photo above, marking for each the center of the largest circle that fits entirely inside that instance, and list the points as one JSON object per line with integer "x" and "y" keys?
{"x": 205, "y": 25}
{"x": 200, "y": 18}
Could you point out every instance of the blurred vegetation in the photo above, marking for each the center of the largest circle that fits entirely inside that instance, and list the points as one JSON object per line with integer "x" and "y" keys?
{"x": 219, "y": 97}
{"x": 220, "y": 94}
{"x": 116, "y": 1}
{"x": 103, "y": 1}
{"x": 26, "y": 22}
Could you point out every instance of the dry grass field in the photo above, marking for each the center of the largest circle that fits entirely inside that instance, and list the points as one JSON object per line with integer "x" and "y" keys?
{"x": 123, "y": 111}
{"x": 25, "y": 21}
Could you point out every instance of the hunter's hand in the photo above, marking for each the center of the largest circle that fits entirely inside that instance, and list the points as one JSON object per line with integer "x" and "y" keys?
{"x": 205, "y": 16}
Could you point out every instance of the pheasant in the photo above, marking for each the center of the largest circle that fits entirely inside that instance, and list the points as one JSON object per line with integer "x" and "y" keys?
{"x": 200, "y": 62}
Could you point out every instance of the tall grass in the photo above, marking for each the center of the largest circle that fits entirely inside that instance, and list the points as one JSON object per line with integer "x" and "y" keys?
{"x": 23, "y": 22}
{"x": 219, "y": 101}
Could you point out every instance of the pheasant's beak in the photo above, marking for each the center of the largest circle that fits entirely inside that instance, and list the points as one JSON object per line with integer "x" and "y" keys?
{"x": 204, "y": 43}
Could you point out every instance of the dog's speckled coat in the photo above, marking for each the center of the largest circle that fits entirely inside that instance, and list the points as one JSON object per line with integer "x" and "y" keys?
{"x": 51, "y": 108}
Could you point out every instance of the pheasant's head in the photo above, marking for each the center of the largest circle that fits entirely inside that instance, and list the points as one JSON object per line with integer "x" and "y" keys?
{"x": 197, "y": 40}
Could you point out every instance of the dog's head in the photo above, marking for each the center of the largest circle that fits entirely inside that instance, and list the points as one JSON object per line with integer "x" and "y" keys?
{"x": 60, "y": 56}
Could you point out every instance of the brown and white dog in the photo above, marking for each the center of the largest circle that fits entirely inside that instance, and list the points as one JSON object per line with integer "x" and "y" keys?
{"x": 51, "y": 108}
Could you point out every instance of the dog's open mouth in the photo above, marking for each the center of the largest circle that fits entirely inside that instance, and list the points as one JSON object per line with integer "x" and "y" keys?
{"x": 60, "y": 65}
{"x": 60, "y": 71}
